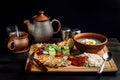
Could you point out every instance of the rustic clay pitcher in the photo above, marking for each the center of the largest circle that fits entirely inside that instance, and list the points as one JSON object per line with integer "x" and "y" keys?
{"x": 18, "y": 44}
{"x": 42, "y": 28}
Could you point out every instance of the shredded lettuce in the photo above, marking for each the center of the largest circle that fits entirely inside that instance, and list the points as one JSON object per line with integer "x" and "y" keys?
{"x": 52, "y": 49}
{"x": 47, "y": 47}
{"x": 66, "y": 50}
{"x": 38, "y": 45}
{"x": 57, "y": 48}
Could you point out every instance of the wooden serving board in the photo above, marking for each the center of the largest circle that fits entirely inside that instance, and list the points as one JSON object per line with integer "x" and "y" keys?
{"x": 110, "y": 65}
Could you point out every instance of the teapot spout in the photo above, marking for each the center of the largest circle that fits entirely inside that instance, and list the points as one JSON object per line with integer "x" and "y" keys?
{"x": 29, "y": 25}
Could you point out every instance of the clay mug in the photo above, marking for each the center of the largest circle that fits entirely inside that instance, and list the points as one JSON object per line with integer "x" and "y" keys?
{"x": 18, "y": 44}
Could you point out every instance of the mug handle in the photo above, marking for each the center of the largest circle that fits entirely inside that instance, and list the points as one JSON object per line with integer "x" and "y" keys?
{"x": 10, "y": 45}
{"x": 59, "y": 25}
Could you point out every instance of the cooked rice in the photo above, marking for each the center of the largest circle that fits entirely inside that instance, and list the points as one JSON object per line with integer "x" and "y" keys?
{"x": 94, "y": 60}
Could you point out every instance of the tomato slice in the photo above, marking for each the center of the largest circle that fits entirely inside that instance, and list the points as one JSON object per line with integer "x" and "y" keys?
{"x": 58, "y": 54}
{"x": 71, "y": 58}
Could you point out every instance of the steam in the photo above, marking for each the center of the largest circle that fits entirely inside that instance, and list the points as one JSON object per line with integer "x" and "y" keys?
{"x": 17, "y": 32}
{"x": 10, "y": 29}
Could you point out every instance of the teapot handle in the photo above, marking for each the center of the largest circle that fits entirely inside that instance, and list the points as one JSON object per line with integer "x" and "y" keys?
{"x": 59, "y": 25}
{"x": 10, "y": 45}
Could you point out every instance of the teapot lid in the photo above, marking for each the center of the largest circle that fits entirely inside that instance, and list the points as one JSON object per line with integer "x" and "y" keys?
{"x": 40, "y": 17}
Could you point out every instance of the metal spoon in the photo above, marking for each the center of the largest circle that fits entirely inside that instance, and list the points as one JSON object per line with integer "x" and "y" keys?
{"x": 107, "y": 56}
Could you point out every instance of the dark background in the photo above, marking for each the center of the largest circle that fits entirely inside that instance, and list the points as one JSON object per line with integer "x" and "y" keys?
{"x": 101, "y": 16}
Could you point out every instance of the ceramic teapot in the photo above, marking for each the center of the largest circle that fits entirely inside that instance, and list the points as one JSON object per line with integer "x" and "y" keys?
{"x": 42, "y": 28}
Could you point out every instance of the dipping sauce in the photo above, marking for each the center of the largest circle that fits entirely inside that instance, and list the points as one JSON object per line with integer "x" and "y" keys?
{"x": 89, "y": 41}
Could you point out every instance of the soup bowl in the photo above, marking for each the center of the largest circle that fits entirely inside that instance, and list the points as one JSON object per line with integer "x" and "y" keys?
{"x": 90, "y": 42}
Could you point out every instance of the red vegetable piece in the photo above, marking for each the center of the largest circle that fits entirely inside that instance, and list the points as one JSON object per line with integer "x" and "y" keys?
{"x": 29, "y": 65}
{"x": 71, "y": 58}
{"x": 58, "y": 54}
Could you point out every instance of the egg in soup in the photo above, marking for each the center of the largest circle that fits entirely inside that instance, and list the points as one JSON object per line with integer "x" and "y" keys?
{"x": 88, "y": 41}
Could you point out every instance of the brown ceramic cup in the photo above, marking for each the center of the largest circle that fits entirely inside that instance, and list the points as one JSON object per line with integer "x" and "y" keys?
{"x": 90, "y": 48}
{"x": 18, "y": 44}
